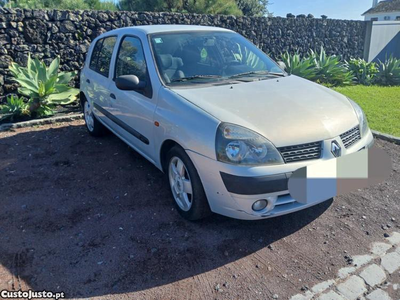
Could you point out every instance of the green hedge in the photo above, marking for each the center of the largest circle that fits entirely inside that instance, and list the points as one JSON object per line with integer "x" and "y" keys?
{"x": 332, "y": 71}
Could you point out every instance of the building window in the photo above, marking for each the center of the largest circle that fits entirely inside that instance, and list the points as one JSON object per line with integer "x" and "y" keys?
{"x": 398, "y": 18}
{"x": 374, "y": 19}
{"x": 387, "y": 18}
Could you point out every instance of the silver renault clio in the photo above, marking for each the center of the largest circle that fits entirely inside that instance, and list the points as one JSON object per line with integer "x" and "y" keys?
{"x": 225, "y": 123}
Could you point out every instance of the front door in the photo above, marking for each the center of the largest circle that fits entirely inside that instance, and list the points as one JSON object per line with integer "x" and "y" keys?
{"x": 134, "y": 110}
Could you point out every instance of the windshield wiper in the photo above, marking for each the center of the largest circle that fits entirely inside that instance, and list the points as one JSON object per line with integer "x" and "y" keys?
{"x": 255, "y": 73}
{"x": 277, "y": 74}
{"x": 195, "y": 77}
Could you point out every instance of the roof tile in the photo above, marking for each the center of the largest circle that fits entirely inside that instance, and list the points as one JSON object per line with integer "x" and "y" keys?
{"x": 385, "y": 6}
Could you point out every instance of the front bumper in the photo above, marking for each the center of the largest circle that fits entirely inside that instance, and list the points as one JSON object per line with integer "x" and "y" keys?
{"x": 231, "y": 190}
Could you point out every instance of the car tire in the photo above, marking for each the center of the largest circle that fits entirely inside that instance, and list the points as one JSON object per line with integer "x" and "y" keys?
{"x": 181, "y": 172}
{"x": 93, "y": 126}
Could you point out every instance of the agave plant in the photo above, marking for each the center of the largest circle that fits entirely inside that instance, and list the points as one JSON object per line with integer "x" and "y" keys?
{"x": 14, "y": 108}
{"x": 44, "y": 86}
{"x": 363, "y": 72}
{"x": 389, "y": 72}
{"x": 302, "y": 67}
{"x": 330, "y": 70}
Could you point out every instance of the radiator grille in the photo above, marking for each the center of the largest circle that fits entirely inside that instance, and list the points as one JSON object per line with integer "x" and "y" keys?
{"x": 301, "y": 152}
{"x": 351, "y": 136}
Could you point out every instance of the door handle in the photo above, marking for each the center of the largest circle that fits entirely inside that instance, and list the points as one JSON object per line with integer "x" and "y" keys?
{"x": 87, "y": 80}
{"x": 113, "y": 96}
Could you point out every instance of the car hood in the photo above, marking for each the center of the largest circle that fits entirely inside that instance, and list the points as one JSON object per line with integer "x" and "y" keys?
{"x": 287, "y": 110}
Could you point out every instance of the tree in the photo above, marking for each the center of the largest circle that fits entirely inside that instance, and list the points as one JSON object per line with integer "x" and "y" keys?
{"x": 140, "y": 5}
{"x": 227, "y": 7}
{"x": 101, "y": 5}
{"x": 63, "y": 4}
{"x": 29, "y": 4}
{"x": 256, "y": 8}
{"x": 72, "y": 4}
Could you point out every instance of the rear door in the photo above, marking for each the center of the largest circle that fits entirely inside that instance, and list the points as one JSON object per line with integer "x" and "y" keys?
{"x": 134, "y": 110}
{"x": 98, "y": 79}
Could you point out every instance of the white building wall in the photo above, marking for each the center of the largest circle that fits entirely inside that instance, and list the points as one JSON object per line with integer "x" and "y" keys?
{"x": 382, "y": 36}
{"x": 393, "y": 16}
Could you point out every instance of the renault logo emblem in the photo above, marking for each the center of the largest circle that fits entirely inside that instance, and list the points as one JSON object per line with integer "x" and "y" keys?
{"x": 335, "y": 149}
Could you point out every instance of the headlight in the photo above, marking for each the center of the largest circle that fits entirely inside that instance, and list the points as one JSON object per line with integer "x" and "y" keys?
{"x": 362, "y": 119}
{"x": 238, "y": 145}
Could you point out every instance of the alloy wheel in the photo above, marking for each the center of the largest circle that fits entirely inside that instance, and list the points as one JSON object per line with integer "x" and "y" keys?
{"x": 88, "y": 116}
{"x": 180, "y": 183}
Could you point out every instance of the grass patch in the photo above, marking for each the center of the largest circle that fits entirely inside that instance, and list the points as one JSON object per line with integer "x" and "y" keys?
{"x": 380, "y": 104}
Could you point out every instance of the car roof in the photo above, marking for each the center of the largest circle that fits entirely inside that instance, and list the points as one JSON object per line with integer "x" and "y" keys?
{"x": 149, "y": 29}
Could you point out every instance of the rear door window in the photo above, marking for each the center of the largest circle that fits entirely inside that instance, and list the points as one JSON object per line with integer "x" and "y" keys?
{"x": 101, "y": 56}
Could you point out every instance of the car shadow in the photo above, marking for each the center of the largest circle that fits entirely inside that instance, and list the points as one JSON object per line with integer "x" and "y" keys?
{"x": 91, "y": 217}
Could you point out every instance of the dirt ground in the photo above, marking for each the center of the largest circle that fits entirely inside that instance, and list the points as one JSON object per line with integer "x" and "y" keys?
{"x": 92, "y": 218}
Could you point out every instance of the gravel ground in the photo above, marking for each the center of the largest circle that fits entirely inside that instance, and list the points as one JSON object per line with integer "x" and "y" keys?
{"x": 92, "y": 218}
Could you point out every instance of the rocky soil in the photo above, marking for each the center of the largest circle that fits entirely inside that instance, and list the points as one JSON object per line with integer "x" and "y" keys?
{"x": 92, "y": 218}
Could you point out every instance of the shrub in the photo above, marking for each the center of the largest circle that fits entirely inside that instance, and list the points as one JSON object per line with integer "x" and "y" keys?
{"x": 302, "y": 67}
{"x": 44, "y": 86}
{"x": 363, "y": 72}
{"x": 330, "y": 70}
{"x": 15, "y": 108}
{"x": 389, "y": 72}
{"x": 319, "y": 67}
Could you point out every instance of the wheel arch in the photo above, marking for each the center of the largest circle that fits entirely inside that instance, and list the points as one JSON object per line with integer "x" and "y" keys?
{"x": 82, "y": 99}
{"x": 167, "y": 145}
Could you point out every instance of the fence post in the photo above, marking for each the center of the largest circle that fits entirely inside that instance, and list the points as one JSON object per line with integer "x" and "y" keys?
{"x": 367, "y": 41}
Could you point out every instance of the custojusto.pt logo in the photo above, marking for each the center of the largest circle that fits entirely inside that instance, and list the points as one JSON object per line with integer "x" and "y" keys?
{"x": 29, "y": 294}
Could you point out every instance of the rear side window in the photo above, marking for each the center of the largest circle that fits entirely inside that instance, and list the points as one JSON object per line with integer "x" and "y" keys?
{"x": 95, "y": 54}
{"x": 101, "y": 55}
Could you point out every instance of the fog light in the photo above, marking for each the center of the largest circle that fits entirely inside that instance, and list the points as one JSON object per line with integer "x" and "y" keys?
{"x": 260, "y": 205}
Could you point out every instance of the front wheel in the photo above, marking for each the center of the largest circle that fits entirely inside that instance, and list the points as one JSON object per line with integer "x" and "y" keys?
{"x": 94, "y": 127}
{"x": 186, "y": 187}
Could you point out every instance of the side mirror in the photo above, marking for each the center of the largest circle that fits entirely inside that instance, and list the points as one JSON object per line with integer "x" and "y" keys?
{"x": 129, "y": 83}
{"x": 282, "y": 65}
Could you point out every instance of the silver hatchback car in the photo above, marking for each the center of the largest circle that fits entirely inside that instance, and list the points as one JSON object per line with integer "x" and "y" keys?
{"x": 217, "y": 115}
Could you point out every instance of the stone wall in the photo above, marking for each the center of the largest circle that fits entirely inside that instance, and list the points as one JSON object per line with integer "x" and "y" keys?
{"x": 68, "y": 33}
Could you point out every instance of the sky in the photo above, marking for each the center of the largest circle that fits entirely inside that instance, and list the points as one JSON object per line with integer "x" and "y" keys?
{"x": 334, "y": 9}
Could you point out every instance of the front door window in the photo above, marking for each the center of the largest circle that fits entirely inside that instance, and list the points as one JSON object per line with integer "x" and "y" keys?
{"x": 131, "y": 60}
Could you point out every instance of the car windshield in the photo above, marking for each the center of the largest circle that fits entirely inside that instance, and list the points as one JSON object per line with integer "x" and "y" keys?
{"x": 210, "y": 56}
